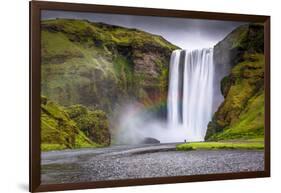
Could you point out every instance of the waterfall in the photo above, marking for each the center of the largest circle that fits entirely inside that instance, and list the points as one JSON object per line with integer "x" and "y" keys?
{"x": 190, "y": 94}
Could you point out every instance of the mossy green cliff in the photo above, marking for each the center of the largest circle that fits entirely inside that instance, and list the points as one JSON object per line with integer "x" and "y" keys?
{"x": 241, "y": 115}
{"x": 90, "y": 68}
{"x": 100, "y": 65}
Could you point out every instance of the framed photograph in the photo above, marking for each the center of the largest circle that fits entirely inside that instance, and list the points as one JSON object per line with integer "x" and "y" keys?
{"x": 123, "y": 96}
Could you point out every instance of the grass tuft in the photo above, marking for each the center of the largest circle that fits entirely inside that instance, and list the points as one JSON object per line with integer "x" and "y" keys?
{"x": 252, "y": 144}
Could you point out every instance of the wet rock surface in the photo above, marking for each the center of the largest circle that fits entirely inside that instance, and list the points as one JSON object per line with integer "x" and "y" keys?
{"x": 150, "y": 140}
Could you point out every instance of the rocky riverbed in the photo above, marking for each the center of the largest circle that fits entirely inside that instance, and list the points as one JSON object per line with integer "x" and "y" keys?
{"x": 143, "y": 161}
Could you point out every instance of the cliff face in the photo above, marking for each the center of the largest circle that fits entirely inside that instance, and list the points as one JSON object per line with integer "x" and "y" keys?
{"x": 100, "y": 65}
{"x": 241, "y": 114}
{"x": 88, "y": 69}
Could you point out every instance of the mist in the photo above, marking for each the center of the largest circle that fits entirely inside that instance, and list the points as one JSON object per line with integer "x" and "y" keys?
{"x": 133, "y": 122}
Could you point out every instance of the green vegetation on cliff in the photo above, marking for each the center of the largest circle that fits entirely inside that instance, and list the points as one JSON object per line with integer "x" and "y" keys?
{"x": 241, "y": 115}
{"x": 60, "y": 131}
{"x": 93, "y": 124}
{"x": 99, "y": 65}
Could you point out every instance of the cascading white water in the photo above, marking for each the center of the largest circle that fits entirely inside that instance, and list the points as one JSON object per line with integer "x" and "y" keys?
{"x": 190, "y": 95}
{"x": 173, "y": 93}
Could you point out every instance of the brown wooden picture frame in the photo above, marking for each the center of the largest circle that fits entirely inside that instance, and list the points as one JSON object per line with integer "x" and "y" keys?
{"x": 35, "y": 57}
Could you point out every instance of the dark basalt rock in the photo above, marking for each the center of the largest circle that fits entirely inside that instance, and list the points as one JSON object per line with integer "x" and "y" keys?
{"x": 150, "y": 140}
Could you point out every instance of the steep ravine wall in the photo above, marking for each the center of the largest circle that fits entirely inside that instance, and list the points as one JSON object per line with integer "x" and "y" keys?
{"x": 239, "y": 70}
{"x": 100, "y": 65}
{"x": 87, "y": 70}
